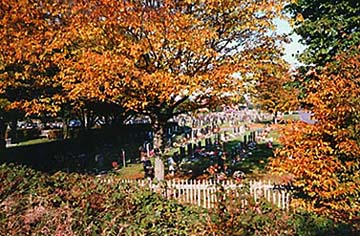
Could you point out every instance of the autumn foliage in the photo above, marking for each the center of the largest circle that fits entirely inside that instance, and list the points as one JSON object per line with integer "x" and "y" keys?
{"x": 323, "y": 159}
{"x": 274, "y": 91}
{"x": 158, "y": 58}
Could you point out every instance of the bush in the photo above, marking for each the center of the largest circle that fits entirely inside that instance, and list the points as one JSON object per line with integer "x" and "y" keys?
{"x": 73, "y": 204}
{"x": 32, "y": 203}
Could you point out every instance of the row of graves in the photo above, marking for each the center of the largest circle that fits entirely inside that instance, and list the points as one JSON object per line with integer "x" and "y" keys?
{"x": 203, "y": 138}
{"x": 201, "y": 126}
{"x": 214, "y": 119}
{"x": 209, "y": 155}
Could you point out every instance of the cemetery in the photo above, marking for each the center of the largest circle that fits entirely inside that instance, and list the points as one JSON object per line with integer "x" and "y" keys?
{"x": 176, "y": 118}
{"x": 97, "y": 151}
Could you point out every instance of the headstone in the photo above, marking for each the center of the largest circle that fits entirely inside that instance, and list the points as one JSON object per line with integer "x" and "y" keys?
{"x": 123, "y": 155}
{"x": 159, "y": 169}
{"x": 148, "y": 149}
{"x": 189, "y": 149}
{"x": 176, "y": 157}
{"x": 182, "y": 152}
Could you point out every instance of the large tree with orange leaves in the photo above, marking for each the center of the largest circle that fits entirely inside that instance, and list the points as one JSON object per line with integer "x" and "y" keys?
{"x": 155, "y": 57}
{"x": 35, "y": 37}
{"x": 26, "y": 58}
{"x": 161, "y": 58}
{"x": 323, "y": 159}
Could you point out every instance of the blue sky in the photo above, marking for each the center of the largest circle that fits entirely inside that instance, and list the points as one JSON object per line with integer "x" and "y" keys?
{"x": 292, "y": 48}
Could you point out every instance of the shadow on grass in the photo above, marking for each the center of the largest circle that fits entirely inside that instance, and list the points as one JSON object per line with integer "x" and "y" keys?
{"x": 256, "y": 160}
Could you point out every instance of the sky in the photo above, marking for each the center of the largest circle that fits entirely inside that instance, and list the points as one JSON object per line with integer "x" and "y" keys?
{"x": 292, "y": 48}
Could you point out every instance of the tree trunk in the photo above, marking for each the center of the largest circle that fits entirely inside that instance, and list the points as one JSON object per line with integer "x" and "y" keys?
{"x": 159, "y": 128}
{"x": 66, "y": 130}
{"x": 275, "y": 117}
{"x": 2, "y": 134}
{"x": 159, "y": 139}
{"x": 13, "y": 129}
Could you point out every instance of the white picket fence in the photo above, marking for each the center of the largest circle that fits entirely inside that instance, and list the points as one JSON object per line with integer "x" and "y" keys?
{"x": 203, "y": 193}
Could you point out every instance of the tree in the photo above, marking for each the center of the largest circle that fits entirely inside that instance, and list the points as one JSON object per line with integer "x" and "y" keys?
{"x": 35, "y": 38}
{"x": 162, "y": 58}
{"x": 3, "y": 103}
{"x": 327, "y": 27}
{"x": 274, "y": 91}
{"x": 29, "y": 44}
{"x": 323, "y": 159}
{"x": 158, "y": 58}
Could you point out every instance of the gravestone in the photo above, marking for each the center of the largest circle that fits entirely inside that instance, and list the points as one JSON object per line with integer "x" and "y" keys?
{"x": 159, "y": 169}
{"x": 123, "y": 157}
{"x": 189, "y": 149}
{"x": 182, "y": 152}
{"x": 148, "y": 147}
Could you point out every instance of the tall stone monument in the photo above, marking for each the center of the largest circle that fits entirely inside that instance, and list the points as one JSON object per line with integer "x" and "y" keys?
{"x": 159, "y": 169}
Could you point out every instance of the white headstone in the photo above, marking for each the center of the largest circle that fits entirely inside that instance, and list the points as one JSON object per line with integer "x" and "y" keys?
{"x": 159, "y": 169}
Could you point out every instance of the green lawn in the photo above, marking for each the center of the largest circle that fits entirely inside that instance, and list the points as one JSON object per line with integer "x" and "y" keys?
{"x": 256, "y": 162}
{"x": 33, "y": 141}
{"x": 291, "y": 117}
{"x": 131, "y": 171}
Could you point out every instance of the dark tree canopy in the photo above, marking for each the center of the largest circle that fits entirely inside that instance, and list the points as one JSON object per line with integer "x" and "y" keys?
{"x": 327, "y": 27}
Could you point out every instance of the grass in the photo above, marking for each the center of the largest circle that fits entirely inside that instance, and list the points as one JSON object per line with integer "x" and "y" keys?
{"x": 253, "y": 164}
{"x": 291, "y": 117}
{"x": 256, "y": 162}
{"x": 33, "y": 141}
{"x": 131, "y": 171}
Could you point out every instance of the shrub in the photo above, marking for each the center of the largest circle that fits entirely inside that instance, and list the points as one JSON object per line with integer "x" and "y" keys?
{"x": 32, "y": 203}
